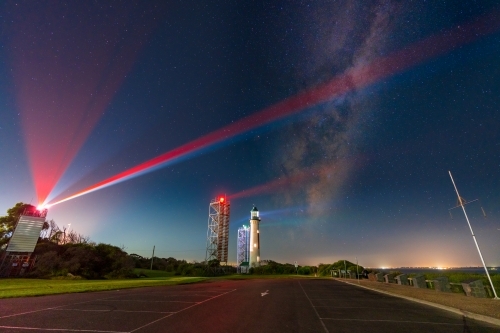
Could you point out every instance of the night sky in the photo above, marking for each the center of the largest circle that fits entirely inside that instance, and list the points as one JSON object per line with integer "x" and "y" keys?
{"x": 338, "y": 120}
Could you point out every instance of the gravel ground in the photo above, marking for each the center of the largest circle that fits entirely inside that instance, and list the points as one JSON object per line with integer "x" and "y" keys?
{"x": 483, "y": 306}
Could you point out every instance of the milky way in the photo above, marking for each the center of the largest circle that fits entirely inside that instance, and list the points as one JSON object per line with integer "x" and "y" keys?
{"x": 327, "y": 140}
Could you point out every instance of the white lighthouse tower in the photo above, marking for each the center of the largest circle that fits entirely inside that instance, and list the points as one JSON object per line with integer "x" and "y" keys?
{"x": 254, "y": 237}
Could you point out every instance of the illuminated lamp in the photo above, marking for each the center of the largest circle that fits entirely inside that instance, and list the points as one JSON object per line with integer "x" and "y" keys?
{"x": 221, "y": 200}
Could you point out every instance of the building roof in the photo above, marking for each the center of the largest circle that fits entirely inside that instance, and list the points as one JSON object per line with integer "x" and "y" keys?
{"x": 254, "y": 209}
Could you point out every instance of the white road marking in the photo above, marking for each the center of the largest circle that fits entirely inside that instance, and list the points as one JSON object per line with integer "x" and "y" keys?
{"x": 110, "y": 299}
{"x": 142, "y": 301}
{"x": 182, "y": 291}
{"x": 80, "y": 310}
{"x": 317, "y": 314}
{"x": 265, "y": 293}
{"x": 58, "y": 329}
{"x": 157, "y": 320}
{"x": 53, "y": 308}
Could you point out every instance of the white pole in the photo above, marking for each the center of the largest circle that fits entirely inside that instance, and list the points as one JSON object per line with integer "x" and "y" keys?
{"x": 474, "y": 237}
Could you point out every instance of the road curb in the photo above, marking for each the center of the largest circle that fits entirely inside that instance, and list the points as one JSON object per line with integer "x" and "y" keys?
{"x": 464, "y": 313}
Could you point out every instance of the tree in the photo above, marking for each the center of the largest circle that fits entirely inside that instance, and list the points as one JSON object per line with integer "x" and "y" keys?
{"x": 8, "y": 223}
{"x": 80, "y": 259}
{"x": 112, "y": 261}
{"x": 214, "y": 263}
{"x": 53, "y": 233}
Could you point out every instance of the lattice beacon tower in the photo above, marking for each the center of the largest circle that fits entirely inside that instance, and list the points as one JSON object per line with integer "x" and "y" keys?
{"x": 218, "y": 230}
{"x": 254, "y": 237}
{"x": 243, "y": 254}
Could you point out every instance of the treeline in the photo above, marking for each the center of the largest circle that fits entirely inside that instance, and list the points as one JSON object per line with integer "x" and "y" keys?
{"x": 171, "y": 265}
{"x": 273, "y": 267}
{"x": 325, "y": 269}
{"x": 53, "y": 233}
{"x": 64, "y": 252}
{"x": 98, "y": 261}
{"x": 85, "y": 260}
{"x": 101, "y": 261}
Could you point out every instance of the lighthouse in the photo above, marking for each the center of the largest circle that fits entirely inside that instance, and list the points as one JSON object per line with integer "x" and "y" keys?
{"x": 254, "y": 237}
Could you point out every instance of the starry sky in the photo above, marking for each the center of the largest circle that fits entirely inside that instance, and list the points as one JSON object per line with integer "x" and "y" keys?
{"x": 339, "y": 120}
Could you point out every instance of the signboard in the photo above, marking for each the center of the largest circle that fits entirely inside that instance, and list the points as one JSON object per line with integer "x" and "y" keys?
{"x": 296, "y": 265}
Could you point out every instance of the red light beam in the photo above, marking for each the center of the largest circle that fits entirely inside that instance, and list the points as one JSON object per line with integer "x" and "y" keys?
{"x": 355, "y": 78}
{"x": 66, "y": 67}
{"x": 299, "y": 179}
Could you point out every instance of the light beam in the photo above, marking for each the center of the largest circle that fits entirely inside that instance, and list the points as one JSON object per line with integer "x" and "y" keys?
{"x": 355, "y": 78}
{"x": 66, "y": 68}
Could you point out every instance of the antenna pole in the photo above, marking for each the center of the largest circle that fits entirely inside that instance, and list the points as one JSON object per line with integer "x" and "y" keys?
{"x": 474, "y": 237}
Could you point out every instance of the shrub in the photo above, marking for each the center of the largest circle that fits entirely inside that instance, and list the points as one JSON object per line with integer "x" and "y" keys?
{"x": 47, "y": 264}
{"x": 86, "y": 260}
{"x": 305, "y": 270}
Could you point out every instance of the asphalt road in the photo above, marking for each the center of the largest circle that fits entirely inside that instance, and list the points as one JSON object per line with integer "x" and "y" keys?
{"x": 267, "y": 305}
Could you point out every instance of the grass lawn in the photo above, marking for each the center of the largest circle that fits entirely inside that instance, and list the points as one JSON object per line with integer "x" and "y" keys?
{"x": 38, "y": 287}
{"x": 152, "y": 273}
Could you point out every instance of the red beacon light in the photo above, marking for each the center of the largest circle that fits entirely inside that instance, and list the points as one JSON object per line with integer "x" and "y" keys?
{"x": 221, "y": 200}
{"x": 39, "y": 211}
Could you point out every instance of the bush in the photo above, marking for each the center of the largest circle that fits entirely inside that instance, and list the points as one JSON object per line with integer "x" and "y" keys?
{"x": 273, "y": 267}
{"x": 325, "y": 269}
{"x": 48, "y": 264}
{"x": 86, "y": 260}
{"x": 305, "y": 270}
{"x": 80, "y": 260}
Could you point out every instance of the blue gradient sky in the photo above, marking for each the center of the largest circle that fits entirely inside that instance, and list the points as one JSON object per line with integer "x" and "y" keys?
{"x": 373, "y": 163}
